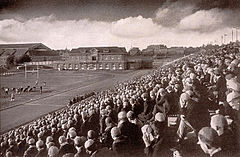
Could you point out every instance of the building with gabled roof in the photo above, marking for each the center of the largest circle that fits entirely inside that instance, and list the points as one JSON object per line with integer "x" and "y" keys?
{"x": 38, "y": 52}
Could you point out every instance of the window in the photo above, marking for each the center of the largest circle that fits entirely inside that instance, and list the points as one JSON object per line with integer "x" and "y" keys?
{"x": 94, "y": 58}
{"x": 70, "y": 66}
{"x": 100, "y": 66}
{"x": 76, "y": 66}
{"x": 94, "y": 66}
{"x": 64, "y": 66}
{"x": 120, "y": 66}
{"x": 107, "y": 66}
{"x": 113, "y": 66}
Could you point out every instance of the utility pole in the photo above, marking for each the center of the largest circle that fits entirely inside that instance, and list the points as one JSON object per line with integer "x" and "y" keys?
{"x": 25, "y": 71}
{"x": 37, "y": 72}
{"x": 236, "y": 32}
{"x": 225, "y": 35}
{"x": 232, "y": 35}
{"x": 222, "y": 39}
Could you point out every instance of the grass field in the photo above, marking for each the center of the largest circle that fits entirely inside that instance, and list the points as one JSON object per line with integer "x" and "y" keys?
{"x": 56, "y": 81}
{"x": 60, "y": 87}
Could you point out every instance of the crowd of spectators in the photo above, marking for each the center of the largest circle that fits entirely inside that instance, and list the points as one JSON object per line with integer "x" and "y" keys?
{"x": 131, "y": 119}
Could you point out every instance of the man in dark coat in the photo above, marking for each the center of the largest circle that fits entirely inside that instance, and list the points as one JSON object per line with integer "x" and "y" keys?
{"x": 188, "y": 116}
{"x": 13, "y": 147}
{"x": 65, "y": 147}
{"x": 41, "y": 149}
{"x": 32, "y": 150}
{"x": 130, "y": 130}
{"x": 120, "y": 143}
{"x": 106, "y": 137}
{"x": 221, "y": 86}
{"x": 157, "y": 147}
{"x": 163, "y": 104}
{"x": 148, "y": 106}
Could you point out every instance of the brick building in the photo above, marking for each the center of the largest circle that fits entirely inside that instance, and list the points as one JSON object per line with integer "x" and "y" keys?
{"x": 93, "y": 58}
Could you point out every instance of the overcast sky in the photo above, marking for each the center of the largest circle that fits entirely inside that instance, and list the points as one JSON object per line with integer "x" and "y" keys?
{"x": 129, "y": 23}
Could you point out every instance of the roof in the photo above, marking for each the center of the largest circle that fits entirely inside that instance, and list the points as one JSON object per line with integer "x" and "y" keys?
{"x": 17, "y": 46}
{"x": 16, "y": 52}
{"x": 107, "y": 50}
{"x": 19, "y": 50}
{"x": 43, "y": 53}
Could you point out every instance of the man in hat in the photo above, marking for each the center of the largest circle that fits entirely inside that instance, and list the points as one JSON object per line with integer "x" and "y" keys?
{"x": 41, "y": 149}
{"x": 106, "y": 136}
{"x": 120, "y": 143}
{"x": 220, "y": 84}
{"x": 65, "y": 147}
{"x": 220, "y": 125}
{"x": 133, "y": 119}
{"x": 90, "y": 146}
{"x": 13, "y": 147}
{"x": 188, "y": 116}
{"x": 130, "y": 130}
{"x": 79, "y": 145}
{"x": 53, "y": 151}
{"x": 156, "y": 146}
{"x": 208, "y": 141}
{"x": 32, "y": 150}
{"x": 233, "y": 100}
{"x": 148, "y": 106}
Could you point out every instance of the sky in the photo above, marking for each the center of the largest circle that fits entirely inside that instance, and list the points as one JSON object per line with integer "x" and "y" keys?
{"x": 61, "y": 24}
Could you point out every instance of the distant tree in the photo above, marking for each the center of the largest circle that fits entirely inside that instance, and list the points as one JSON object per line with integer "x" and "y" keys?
{"x": 10, "y": 61}
{"x": 24, "y": 58}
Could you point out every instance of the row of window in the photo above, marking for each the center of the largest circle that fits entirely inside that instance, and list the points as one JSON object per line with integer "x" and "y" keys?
{"x": 91, "y": 66}
{"x": 94, "y": 58}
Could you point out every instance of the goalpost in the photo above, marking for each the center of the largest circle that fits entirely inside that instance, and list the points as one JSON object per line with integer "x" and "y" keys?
{"x": 31, "y": 71}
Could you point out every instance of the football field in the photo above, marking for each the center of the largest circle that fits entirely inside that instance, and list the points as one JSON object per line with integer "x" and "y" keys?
{"x": 60, "y": 87}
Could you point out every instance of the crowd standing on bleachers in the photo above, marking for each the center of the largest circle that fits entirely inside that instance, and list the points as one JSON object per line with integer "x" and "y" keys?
{"x": 131, "y": 119}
